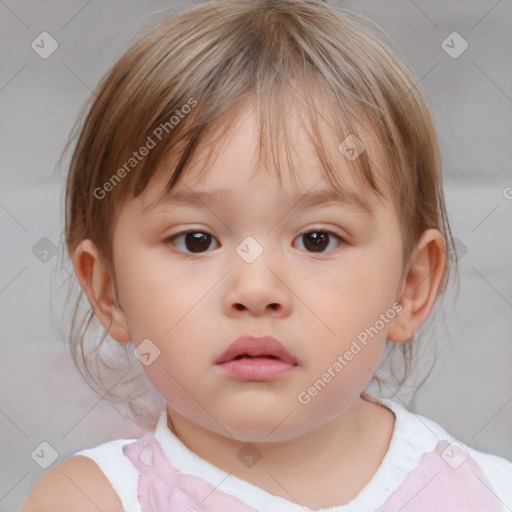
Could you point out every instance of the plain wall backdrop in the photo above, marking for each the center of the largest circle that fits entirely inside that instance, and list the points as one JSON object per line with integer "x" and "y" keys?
{"x": 45, "y": 400}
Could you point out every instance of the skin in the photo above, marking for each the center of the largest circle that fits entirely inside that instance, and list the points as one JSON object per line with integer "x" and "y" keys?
{"x": 192, "y": 306}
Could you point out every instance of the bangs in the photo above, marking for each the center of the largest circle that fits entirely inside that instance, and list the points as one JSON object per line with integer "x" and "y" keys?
{"x": 277, "y": 145}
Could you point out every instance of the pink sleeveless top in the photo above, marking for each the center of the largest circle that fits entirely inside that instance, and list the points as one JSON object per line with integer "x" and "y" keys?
{"x": 425, "y": 469}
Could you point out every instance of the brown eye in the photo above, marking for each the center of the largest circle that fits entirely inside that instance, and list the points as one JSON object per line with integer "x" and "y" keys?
{"x": 198, "y": 242}
{"x": 318, "y": 241}
{"x": 191, "y": 242}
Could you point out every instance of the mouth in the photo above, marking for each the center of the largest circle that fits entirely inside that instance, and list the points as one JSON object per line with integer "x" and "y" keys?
{"x": 256, "y": 359}
{"x": 247, "y": 356}
{"x": 252, "y": 347}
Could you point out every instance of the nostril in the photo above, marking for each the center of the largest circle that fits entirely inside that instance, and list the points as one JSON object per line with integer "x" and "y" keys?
{"x": 241, "y": 307}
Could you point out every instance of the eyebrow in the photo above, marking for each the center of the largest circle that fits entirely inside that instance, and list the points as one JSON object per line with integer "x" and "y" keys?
{"x": 201, "y": 199}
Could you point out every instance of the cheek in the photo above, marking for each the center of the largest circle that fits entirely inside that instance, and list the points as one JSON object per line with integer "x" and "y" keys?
{"x": 353, "y": 298}
{"x": 154, "y": 294}
{"x": 337, "y": 382}
{"x": 375, "y": 276}
{"x": 162, "y": 304}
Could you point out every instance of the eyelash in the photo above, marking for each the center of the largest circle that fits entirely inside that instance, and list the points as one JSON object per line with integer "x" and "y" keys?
{"x": 169, "y": 240}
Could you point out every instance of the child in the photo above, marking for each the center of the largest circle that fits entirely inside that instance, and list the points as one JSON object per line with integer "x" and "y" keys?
{"x": 263, "y": 341}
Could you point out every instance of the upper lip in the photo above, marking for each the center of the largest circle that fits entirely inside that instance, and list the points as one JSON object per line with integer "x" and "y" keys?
{"x": 256, "y": 346}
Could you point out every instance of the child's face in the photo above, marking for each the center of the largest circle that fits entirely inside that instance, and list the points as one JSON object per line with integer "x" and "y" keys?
{"x": 193, "y": 297}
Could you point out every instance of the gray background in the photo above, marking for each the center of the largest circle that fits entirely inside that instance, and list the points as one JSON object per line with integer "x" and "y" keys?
{"x": 44, "y": 398}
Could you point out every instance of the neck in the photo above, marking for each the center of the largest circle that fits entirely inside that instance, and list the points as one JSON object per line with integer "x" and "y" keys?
{"x": 307, "y": 468}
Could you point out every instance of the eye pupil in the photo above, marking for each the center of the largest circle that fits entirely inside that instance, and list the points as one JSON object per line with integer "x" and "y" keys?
{"x": 320, "y": 240}
{"x": 197, "y": 241}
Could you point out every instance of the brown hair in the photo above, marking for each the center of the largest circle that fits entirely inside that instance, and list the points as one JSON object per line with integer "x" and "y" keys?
{"x": 188, "y": 76}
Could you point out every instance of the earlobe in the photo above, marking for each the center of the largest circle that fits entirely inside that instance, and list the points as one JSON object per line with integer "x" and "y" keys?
{"x": 95, "y": 280}
{"x": 420, "y": 286}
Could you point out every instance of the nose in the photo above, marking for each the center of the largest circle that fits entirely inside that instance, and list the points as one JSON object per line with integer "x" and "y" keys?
{"x": 258, "y": 288}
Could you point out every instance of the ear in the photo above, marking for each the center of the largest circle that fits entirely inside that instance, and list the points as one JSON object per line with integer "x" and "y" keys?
{"x": 93, "y": 275}
{"x": 419, "y": 287}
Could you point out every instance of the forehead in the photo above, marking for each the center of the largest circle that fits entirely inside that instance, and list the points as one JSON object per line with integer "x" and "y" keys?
{"x": 229, "y": 160}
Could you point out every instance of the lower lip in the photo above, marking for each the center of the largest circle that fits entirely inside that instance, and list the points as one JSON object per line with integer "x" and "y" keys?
{"x": 264, "y": 368}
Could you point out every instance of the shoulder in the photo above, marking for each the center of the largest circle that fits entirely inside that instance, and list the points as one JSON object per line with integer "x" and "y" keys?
{"x": 422, "y": 449}
{"x": 497, "y": 471}
{"x": 75, "y": 484}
